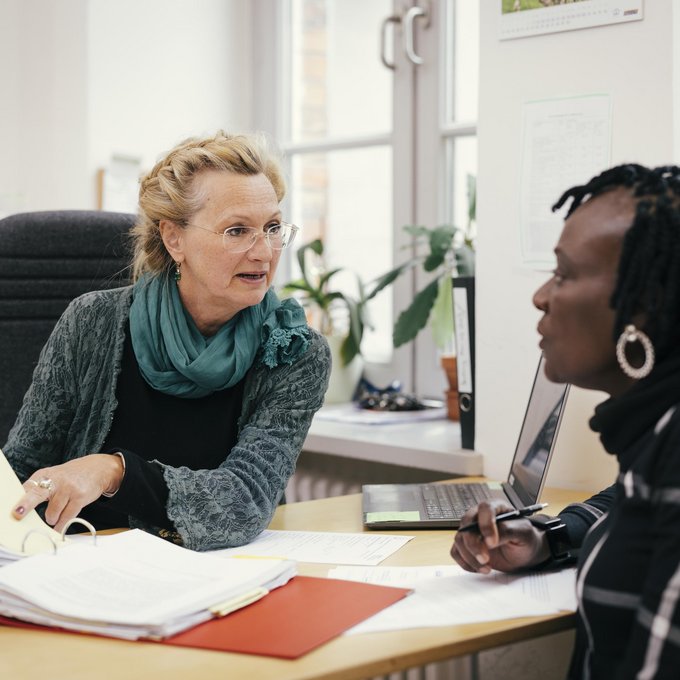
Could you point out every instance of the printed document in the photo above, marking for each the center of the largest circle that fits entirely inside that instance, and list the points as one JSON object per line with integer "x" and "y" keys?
{"x": 321, "y": 546}
{"x": 446, "y": 595}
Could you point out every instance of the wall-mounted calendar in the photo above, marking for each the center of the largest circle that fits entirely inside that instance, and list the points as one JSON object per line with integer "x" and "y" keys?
{"x": 522, "y": 18}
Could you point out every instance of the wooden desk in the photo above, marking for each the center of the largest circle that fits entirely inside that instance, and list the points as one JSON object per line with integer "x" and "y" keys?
{"x": 29, "y": 655}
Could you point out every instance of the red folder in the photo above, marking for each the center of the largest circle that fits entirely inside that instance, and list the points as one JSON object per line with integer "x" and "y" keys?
{"x": 288, "y": 622}
{"x": 292, "y": 620}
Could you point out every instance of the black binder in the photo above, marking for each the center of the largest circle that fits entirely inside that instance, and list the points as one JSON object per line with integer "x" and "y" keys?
{"x": 464, "y": 320}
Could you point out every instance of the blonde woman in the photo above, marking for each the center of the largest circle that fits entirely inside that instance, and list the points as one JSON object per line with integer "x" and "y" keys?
{"x": 180, "y": 404}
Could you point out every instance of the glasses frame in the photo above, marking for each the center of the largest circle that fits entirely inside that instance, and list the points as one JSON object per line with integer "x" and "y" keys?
{"x": 257, "y": 234}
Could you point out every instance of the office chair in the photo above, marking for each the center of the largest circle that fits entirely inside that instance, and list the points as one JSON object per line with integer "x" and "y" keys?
{"x": 46, "y": 260}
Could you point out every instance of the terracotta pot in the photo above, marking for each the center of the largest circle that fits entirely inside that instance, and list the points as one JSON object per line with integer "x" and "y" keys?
{"x": 451, "y": 369}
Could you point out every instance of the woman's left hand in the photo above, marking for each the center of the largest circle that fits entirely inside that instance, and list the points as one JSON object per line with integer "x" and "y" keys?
{"x": 69, "y": 487}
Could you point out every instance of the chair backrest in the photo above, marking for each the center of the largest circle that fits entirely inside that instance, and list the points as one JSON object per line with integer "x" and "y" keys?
{"x": 46, "y": 260}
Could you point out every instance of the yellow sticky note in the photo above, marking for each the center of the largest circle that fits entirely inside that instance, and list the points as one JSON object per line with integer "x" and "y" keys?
{"x": 394, "y": 516}
{"x": 494, "y": 485}
{"x": 224, "y": 608}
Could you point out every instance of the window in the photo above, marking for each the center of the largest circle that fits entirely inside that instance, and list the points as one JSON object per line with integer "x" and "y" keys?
{"x": 371, "y": 148}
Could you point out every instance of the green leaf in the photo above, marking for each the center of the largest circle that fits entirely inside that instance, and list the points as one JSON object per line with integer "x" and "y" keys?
{"x": 415, "y": 316}
{"x": 351, "y": 346}
{"x": 315, "y": 246}
{"x": 465, "y": 260}
{"x": 333, "y": 296}
{"x": 441, "y": 242}
{"x": 472, "y": 198}
{"x": 442, "y": 314}
{"x": 348, "y": 350}
{"x": 326, "y": 277}
{"x": 416, "y": 230}
{"x": 300, "y": 284}
{"x": 391, "y": 276}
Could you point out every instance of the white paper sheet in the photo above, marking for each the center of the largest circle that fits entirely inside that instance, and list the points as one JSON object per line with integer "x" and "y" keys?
{"x": 446, "y": 595}
{"x": 565, "y": 142}
{"x": 321, "y": 546}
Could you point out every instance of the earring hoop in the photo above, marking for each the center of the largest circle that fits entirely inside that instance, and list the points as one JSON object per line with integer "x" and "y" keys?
{"x": 631, "y": 334}
{"x": 178, "y": 273}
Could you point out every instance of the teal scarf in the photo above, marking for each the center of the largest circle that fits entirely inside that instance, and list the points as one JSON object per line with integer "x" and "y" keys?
{"x": 176, "y": 359}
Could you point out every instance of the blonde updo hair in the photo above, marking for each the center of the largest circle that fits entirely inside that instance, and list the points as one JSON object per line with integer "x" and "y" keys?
{"x": 168, "y": 191}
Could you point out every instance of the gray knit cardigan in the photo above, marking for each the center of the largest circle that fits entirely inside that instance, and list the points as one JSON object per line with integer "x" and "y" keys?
{"x": 68, "y": 410}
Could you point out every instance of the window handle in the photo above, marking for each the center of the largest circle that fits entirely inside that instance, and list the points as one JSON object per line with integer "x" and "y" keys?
{"x": 409, "y": 31}
{"x": 394, "y": 19}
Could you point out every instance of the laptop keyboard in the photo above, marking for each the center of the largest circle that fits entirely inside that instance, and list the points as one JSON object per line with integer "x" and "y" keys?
{"x": 452, "y": 501}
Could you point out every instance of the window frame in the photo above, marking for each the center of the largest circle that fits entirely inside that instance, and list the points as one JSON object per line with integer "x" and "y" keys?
{"x": 422, "y": 138}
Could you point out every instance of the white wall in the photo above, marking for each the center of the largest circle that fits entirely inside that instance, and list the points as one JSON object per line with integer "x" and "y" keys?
{"x": 43, "y": 125}
{"x": 84, "y": 79}
{"x": 162, "y": 70}
{"x": 633, "y": 64}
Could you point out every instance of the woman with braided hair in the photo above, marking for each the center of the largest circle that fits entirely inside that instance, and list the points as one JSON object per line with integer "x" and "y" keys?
{"x": 611, "y": 322}
{"x": 179, "y": 404}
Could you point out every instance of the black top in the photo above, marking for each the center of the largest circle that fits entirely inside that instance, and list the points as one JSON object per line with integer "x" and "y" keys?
{"x": 629, "y": 567}
{"x": 151, "y": 426}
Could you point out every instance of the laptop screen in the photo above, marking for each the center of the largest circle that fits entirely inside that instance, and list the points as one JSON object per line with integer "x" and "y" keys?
{"x": 537, "y": 436}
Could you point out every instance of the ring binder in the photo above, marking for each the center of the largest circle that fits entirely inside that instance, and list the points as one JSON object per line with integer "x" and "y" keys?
{"x": 464, "y": 321}
{"x": 85, "y": 523}
{"x": 40, "y": 533}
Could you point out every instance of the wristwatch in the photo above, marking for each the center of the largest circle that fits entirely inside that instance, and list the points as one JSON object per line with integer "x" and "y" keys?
{"x": 557, "y": 535}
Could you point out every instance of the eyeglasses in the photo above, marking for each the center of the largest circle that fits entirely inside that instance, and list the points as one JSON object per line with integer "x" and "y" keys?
{"x": 240, "y": 239}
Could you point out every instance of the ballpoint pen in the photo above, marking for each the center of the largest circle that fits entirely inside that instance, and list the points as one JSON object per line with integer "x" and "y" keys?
{"x": 513, "y": 514}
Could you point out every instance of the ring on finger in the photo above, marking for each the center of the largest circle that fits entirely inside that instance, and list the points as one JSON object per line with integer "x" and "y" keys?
{"x": 44, "y": 483}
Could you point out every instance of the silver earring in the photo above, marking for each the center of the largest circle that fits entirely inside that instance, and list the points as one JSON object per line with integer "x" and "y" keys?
{"x": 178, "y": 273}
{"x": 632, "y": 334}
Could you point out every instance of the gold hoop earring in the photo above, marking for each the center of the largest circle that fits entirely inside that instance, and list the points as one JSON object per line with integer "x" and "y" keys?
{"x": 631, "y": 334}
{"x": 178, "y": 273}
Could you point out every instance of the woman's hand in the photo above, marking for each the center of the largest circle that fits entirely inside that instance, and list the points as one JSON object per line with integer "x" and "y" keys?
{"x": 506, "y": 546}
{"x": 69, "y": 487}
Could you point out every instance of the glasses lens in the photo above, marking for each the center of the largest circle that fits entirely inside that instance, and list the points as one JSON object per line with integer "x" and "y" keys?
{"x": 282, "y": 235}
{"x": 238, "y": 239}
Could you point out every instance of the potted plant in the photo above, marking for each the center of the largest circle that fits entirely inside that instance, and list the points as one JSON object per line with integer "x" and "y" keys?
{"x": 341, "y": 317}
{"x": 442, "y": 252}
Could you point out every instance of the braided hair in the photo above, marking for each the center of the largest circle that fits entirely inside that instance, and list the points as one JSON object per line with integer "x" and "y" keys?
{"x": 648, "y": 277}
{"x": 168, "y": 191}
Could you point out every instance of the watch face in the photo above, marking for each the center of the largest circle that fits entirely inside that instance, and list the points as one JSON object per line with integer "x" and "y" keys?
{"x": 558, "y": 538}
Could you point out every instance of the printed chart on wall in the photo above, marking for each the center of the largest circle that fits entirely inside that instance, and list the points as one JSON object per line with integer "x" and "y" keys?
{"x": 565, "y": 142}
{"x": 522, "y": 18}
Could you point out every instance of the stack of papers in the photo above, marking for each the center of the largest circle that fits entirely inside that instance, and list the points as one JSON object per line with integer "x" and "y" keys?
{"x": 133, "y": 585}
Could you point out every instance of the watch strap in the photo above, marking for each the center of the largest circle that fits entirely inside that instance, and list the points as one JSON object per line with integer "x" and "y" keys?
{"x": 556, "y": 534}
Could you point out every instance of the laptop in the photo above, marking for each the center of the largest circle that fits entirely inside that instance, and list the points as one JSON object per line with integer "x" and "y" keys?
{"x": 436, "y": 505}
